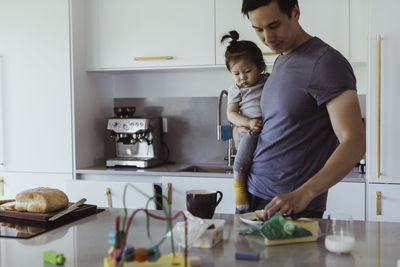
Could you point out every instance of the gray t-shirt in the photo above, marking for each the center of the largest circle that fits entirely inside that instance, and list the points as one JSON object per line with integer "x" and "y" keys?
{"x": 248, "y": 98}
{"x": 297, "y": 137}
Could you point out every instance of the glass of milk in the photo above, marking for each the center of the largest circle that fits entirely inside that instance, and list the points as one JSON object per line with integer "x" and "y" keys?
{"x": 340, "y": 237}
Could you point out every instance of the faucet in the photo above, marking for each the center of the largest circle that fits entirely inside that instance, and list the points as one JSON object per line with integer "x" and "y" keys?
{"x": 230, "y": 154}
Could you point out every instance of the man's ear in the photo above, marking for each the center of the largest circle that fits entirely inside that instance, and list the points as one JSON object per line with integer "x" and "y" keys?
{"x": 296, "y": 12}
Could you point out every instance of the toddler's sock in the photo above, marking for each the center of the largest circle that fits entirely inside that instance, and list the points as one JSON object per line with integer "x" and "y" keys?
{"x": 241, "y": 201}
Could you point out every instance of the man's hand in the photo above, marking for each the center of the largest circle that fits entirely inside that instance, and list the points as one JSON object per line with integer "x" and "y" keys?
{"x": 295, "y": 201}
{"x": 255, "y": 124}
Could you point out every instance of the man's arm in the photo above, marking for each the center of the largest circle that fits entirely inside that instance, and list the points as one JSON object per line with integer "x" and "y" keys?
{"x": 345, "y": 115}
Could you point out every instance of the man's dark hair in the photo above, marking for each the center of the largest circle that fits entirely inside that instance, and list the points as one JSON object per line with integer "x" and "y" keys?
{"x": 286, "y": 6}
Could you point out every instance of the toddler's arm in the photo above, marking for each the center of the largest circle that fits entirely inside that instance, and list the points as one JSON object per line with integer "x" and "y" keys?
{"x": 235, "y": 117}
{"x": 240, "y": 120}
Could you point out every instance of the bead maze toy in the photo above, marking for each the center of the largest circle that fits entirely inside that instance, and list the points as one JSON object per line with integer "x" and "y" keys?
{"x": 124, "y": 255}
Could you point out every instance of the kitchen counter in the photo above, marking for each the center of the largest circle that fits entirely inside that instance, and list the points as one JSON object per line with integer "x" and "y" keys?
{"x": 84, "y": 243}
{"x": 175, "y": 169}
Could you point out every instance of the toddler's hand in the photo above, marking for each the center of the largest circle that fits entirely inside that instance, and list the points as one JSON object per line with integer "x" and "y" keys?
{"x": 255, "y": 124}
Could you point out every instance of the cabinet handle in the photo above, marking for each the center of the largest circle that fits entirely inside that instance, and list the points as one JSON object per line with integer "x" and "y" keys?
{"x": 269, "y": 54}
{"x": 378, "y": 203}
{"x": 2, "y": 186}
{"x": 169, "y": 192}
{"x": 153, "y": 58}
{"x": 109, "y": 199}
{"x": 378, "y": 105}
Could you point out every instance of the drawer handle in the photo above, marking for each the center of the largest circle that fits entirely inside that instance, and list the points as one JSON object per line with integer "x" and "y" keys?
{"x": 109, "y": 199}
{"x": 153, "y": 58}
{"x": 378, "y": 203}
{"x": 2, "y": 186}
{"x": 169, "y": 192}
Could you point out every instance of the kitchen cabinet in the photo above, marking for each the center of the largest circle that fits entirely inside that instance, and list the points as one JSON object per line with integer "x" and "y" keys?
{"x": 110, "y": 194}
{"x": 332, "y": 17}
{"x": 35, "y": 87}
{"x": 129, "y": 34}
{"x": 383, "y": 129}
{"x": 11, "y": 183}
{"x": 348, "y": 198}
{"x": 175, "y": 188}
{"x": 384, "y": 202}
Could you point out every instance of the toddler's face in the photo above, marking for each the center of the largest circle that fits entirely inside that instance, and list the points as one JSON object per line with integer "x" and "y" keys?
{"x": 245, "y": 73}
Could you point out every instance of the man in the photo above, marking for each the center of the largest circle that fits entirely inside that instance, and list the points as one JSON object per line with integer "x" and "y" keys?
{"x": 312, "y": 132}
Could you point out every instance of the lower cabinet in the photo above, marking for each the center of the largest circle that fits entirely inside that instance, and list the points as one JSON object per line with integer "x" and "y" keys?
{"x": 383, "y": 202}
{"x": 175, "y": 188}
{"x": 347, "y": 197}
{"x": 11, "y": 183}
{"x": 110, "y": 194}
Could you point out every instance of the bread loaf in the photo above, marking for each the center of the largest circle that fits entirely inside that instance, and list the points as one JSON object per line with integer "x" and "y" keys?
{"x": 41, "y": 199}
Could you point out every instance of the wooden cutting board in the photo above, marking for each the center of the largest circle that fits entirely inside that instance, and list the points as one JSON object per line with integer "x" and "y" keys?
{"x": 42, "y": 218}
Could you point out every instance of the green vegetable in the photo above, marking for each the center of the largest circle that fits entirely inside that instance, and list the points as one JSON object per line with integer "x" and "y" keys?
{"x": 278, "y": 228}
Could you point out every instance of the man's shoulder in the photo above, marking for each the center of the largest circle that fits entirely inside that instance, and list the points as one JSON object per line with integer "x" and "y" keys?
{"x": 324, "y": 51}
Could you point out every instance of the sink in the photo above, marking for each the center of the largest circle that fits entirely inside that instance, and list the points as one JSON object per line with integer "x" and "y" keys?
{"x": 210, "y": 169}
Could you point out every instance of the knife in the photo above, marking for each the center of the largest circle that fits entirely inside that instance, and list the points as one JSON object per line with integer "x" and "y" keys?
{"x": 68, "y": 210}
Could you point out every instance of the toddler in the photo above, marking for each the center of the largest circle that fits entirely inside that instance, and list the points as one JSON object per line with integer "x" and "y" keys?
{"x": 246, "y": 63}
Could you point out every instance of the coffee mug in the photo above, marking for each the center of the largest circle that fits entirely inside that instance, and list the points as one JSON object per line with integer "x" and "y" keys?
{"x": 202, "y": 203}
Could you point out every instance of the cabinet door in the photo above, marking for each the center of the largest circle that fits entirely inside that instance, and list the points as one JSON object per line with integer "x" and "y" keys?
{"x": 327, "y": 19}
{"x": 110, "y": 194}
{"x": 384, "y": 17}
{"x": 12, "y": 183}
{"x": 176, "y": 187}
{"x": 383, "y": 202}
{"x": 36, "y": 88}
{"x": 154, "y": 33}
{"x": 228, "y": 18}
{"x": 347, "y": 197}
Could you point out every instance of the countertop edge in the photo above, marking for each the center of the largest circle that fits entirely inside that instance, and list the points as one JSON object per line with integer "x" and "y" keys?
{"x": 175, "y": 171}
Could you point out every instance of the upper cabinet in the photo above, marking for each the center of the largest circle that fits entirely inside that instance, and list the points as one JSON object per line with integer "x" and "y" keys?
{"x": 327, "y": 19}
{"x": 35, "y": 86}
{"x": 130, "y": 34}
{"x": 135, "y": 34}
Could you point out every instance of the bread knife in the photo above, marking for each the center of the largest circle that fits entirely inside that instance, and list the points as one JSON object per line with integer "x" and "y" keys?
{"x": 68, "y": 210}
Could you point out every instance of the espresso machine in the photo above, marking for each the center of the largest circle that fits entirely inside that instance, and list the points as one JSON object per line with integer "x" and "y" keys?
{"x": 138, "y": 140}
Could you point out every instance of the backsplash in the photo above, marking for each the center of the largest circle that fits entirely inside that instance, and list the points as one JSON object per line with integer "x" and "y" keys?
{"x": 192, "y": 126}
